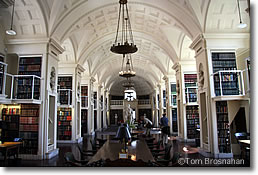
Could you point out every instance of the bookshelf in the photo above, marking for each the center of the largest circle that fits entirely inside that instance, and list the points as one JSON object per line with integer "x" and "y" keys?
{"x": 65, "y": 90}
{"x": 64, "y": 117}
{"x": 10, "y": 123}
{"x": 224, "y": 142}
{"x": 84, "y": 96}
{"x": 84, "y": 115}
{"x": 174, "y": 119}
{"x": 29, "y": 66}
{"x": 29, "y": 125}
{"x": 192, "y": 116}
{"x": 224, "y": 61}
{"x": 173, "y": 94}
{"x": 190, "y": 90}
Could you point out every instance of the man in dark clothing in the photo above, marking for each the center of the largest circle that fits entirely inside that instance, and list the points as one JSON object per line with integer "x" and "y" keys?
{"x": 165, "y": 130}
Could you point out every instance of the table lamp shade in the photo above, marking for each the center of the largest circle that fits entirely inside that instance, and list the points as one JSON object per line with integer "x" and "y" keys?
{"x": 123, "y": 133}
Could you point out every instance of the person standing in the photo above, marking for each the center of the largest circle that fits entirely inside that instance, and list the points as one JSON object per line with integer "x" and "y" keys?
{"x": 164, "y": 128}
{"x": 148, "y": 125}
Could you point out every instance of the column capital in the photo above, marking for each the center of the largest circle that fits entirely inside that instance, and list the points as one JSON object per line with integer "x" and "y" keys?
{"x": 92, "y": 80}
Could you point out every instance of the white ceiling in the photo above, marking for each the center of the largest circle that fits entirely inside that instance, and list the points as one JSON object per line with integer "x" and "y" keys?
{"x": 162, "y": 29}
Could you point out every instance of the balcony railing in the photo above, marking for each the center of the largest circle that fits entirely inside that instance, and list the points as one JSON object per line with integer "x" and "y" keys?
{"x": 144, "y": 102}
{"x": 117, "y": 102}
{"x": 84, "y": 101}
{"x": 26, "y": 87}
{"x": 191, "y": 94}
{"x": 65, "y": 96}
{"x": 228, "y": 83}
{"x": 19, "y": 87}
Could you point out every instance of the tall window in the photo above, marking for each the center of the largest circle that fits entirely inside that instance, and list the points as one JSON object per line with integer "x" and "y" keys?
{"x": 130, "y": 95}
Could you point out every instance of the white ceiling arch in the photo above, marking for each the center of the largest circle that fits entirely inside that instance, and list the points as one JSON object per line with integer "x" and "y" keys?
{"x": 171, "y": 13}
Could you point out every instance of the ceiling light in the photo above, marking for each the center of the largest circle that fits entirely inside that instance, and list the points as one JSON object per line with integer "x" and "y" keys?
{"x": 11, "y": 31}
{"x": 124, "y": 43}
{"x": 241, "y": 24}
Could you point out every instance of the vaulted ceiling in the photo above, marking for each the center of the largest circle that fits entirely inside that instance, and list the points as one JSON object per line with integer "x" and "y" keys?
{"x": 163, "y": 31}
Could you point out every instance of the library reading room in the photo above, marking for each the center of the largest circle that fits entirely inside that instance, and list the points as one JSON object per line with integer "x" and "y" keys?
{"x": 125, "y": 83}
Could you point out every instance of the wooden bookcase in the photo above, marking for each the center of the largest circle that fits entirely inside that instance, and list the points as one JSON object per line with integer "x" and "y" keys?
{"x": 65, "y": 83}
{"x": 10, "y": 124}
{"x": 190, "y": 81}
{"x": 224, "y": 142}
{"x": 174, "y": 119}
{"x": 84, "y": 124}
{"x": 29, "y": 66}
{"x": 229, "y": 81}
{"x": 29, "y": 125}
{"x": 192, "y": 117}
{"x": 64, "y": 117}
{"x": 84, "y": 95}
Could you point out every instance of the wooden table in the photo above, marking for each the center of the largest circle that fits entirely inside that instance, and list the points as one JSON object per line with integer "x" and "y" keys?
{"x": 8, "y": 147}
{"x": 245, "y": 142}
{"x": 110, "y": 150}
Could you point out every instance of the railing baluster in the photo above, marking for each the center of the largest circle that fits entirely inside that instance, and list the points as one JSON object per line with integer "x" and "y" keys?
{"x": 221, "y": 91}
{"x": 32, "y": 91}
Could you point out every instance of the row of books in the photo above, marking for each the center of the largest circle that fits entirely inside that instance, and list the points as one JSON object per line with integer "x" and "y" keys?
{"x": 65, "y": 124}
{"x": 65, "y": 133}
{"x": 225, "y": 55}
{"x": 30, "y": 112}
{"x": 227, "y": 85}
{"x": 11, "y": 111}
{"x": 222, "y": 119}
{"x": 30, "y": 61}
{"x": 24, "y": 127}
{"x": 224, "y": 63}
{"x": 29, "y": 135}
{"x": 29, "y": 120}
{"x": 84, "y": 90}
{"x": 34, "y": 68}
{"x": 37, "y": 73}
{"x": 221, "y": 109}
{"x": 10, "y": 118}
{"x": 28, "y": 81}
{"x": 225, "y": 78}
{"x": 12, "y": 126}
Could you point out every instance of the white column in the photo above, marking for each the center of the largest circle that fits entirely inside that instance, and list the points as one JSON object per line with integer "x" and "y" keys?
{"x": 160, "y": 100}
{"x": 108, "y": 108}
{"x": 90, "y": 107}
{"x": 104, "y": 110}
{"x": 99, "y": 107}
{"x": 168, "y": 108}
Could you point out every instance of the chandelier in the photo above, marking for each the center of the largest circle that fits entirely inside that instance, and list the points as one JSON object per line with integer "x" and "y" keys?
{"x": 127, "y": 67}
{"x": 128, "y": 84}
{"x": 124, "y": 43}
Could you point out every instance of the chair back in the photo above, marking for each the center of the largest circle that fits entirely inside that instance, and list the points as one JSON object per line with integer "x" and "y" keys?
{"x": 69, "y": 157}
{"x": 175, "y": 157}
{"x": 167, "y": 152}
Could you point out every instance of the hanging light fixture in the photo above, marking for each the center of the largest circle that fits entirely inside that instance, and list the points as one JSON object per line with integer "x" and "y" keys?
{"x": 127, "y": 67}
{"x": 124, "y": 43}
{"x": 128, "y": 84}
{"x": 241, "y": 25}
{"x": 11, "y": 31}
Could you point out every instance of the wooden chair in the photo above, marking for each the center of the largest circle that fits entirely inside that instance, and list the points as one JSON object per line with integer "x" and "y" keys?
{"x": 71, "y": 161}
{"x": 86, "y": 154}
